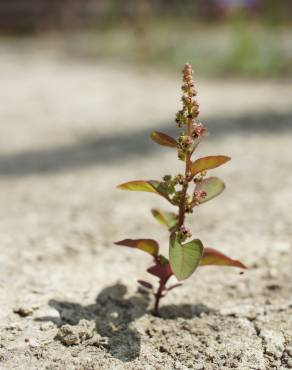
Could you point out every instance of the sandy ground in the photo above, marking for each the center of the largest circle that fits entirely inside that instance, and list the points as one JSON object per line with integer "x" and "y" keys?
{"x": 71, "y": 131}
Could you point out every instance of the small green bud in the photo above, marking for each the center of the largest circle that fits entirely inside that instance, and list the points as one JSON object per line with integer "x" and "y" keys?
{"x": 177, "y": 196}
{"x": 180, "y": 179}
{"x": 181, "y": 155}
{"x": 167, "y": 177}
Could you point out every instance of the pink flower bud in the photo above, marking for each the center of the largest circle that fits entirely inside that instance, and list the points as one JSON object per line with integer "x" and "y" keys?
{"x": 186, "y": 231}
{"x": 200, "y": 194}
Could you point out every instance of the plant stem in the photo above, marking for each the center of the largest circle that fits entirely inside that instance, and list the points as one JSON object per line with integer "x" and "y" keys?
{"x": 181, "y": 214}
{"x": 158, "y": 296}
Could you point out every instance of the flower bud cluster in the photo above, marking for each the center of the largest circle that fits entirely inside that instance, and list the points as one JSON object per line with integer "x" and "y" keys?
{"x": 167, "y": 186}
{"x": 199, "y": 130}
{"x": 185, "y": 141}
{"x": 200, "y": 177}
{"x": 190, "y": 109}
{"x": 177, "y": 197}
{"x": 198, "y": 196}
{"x": 183, "y": 233}
{"x": 188, "y": 115}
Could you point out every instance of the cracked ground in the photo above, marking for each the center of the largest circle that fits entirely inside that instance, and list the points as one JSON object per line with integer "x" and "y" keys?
{"x": 70, "y": 131}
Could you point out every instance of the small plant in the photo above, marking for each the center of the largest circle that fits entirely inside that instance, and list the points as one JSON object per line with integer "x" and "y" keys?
{"x": 186, "y": 192}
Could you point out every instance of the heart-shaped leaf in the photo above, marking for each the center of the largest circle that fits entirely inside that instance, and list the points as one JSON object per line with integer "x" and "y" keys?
{"x": 168, "y": 219}
{"x": 163, "y": 139}
{"x": 147, "y": 245}
{"x": 184, "y": 258}
{"x": 213, "y": 257}
{"x": 208, "y": 163}
{"x": 212, "y": 186}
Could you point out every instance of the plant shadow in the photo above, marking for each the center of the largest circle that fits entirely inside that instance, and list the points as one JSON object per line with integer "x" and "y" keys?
{"x": 185, "y": 311}
{"x": 113, "y": 313}
{"x": 96, "y": 149}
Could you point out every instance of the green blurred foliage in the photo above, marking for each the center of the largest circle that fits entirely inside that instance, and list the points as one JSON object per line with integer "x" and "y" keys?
{"x": 234, "y": 48}
{"x": 249, "y": 42}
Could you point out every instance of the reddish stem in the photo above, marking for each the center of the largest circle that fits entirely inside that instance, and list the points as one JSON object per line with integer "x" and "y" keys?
{"x": 159, "y": 294}
{"x": 181, "y": 214}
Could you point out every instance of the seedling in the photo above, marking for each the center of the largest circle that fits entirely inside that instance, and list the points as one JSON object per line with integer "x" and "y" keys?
{"x": 186, "y": 192}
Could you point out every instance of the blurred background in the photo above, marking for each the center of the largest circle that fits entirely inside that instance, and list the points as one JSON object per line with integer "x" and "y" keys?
{"x": 249, "y": 38}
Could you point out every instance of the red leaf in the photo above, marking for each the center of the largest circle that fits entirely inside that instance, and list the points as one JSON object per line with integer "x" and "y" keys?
{"x": 208, "y": 163}
{"x": 163, "y": 139}
{"x": 145, "y": 284}
{"x": 163, "y": 272}
{"x": 147, "y": 245}
{"x": 174, "y": 286}
{"x": 214, "y": 257}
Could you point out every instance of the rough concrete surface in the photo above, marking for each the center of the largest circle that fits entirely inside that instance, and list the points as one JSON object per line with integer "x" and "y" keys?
{"x": 71, "y": 131}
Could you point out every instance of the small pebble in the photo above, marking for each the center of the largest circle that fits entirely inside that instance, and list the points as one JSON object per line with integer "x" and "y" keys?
{"x": 45, "y": 326}
{"x": 73, "y": 335}
{"x": 33, "y": 343}
{"x": 272, "y": 273}
{"x": 281, "y": 246}
{"x": 274, "y": 342}
{"x": 289, "y": 364}
{"x": 14, "y": 327}
{"x": 114, "y": 315}
{"x": 289, "y": 351}
{"x": 23, "y": 311}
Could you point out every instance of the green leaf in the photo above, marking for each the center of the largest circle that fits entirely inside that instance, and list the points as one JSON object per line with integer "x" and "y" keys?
{"x": 184, "y": 258}
{"x": 213, "y": 187}
{"x": 208, "y": 163}
{"x": 214, "y": 257}
{"x": 147, "y": 245}
{"x": 163, "y": 139}
{"x": 168, "y": 219}
{"x": 140, "y": 185}
{"x": 151, "y": 186}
